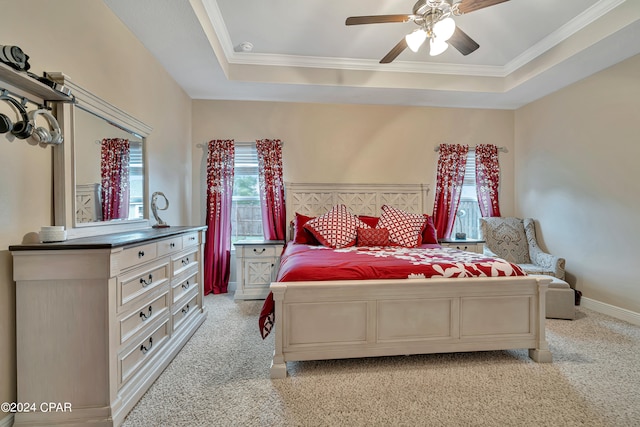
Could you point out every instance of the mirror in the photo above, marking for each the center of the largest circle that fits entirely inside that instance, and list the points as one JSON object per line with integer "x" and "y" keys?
{"x": 100, "y": 172}
{"x": 99, "y": 150}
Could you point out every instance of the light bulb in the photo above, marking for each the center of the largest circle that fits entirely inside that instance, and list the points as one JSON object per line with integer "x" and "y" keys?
{"x": 415, "y": 39}
{"x": 444, "y": 29}
{"x": 437, "y": 46}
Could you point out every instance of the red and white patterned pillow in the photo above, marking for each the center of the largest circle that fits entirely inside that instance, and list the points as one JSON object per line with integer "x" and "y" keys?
{"x": 405, "y": 228}
{"x": 373, "y": 237}
{"x": 337, "y": 228}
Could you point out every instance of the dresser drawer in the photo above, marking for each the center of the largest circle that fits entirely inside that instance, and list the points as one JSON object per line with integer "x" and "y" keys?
{"x": 185, "y": 261}
{"x": 469, "y": 247}
{"x": 143, "y": 316}
{"x": 190, "y": 239}
{"x": 185, "y": 310}
{"x": 168, "y": 246}
{"x": 137, "y": 255}
{"x": 141, "y": 281}
{"x": 259, "y": 251}
{"x": 184, "y": 284}
{"x": 131, "y": 360}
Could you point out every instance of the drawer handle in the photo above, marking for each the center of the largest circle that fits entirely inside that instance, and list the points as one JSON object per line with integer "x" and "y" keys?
{"x": 146, "y": 316}
{"x": 186, "y": 309}
{"x": 144, "y": 349}
{"x": 140, "y": 254}
{"x": 172, "y": 245}
{"x": 146, "y": 283}
{"x": 185, "y": 285}
{"x": 255, "y": 251}
{"x": 192, "y": 238}
{"x": 185, "y": 261}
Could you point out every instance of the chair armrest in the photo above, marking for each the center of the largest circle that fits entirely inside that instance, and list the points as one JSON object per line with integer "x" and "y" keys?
{"x": 488, "y": 252}
{"x": 548, "y": 261}
{"x": 540, "y": 257}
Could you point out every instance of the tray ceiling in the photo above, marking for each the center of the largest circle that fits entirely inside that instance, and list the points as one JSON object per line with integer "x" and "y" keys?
{"x": 304, "y": 52}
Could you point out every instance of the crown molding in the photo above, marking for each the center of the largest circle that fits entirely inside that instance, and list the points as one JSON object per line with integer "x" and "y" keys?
{"x": 592, "y": 14}
{"x": 581, "y": 21}
{"x": 362, "y": 64}
{"x": 219, "y": 26}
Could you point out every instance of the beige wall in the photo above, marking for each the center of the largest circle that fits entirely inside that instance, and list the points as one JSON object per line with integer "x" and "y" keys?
{"x": 559, "y": 168}
{"x": 577, "y": 172}
{"x": 355, "y": 143}
{"x": 83, "y": 39}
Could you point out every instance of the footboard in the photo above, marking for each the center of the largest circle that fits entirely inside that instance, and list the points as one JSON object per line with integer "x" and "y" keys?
{"x": 347, "y": 319}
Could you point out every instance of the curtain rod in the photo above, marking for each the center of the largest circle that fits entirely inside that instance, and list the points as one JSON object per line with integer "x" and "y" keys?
{"x": 503, "y": 149}
{"x": 205, "y": 145}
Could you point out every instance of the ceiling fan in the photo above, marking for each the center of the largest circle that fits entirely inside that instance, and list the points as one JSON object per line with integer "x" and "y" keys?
{"x": 434, "y": 17}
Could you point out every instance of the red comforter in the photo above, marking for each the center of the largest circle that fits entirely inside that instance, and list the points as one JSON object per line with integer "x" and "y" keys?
{"x": 301, "y": 263}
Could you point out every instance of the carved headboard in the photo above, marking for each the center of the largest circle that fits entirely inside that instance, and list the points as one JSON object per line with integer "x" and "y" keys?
{"x": 361, "y": 199}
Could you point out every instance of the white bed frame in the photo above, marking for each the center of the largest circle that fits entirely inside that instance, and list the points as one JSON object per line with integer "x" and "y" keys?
{"x": 366, "y": 318}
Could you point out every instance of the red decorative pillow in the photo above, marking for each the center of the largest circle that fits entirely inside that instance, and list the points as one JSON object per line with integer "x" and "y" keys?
{"x": 300, "y": 234}
{"x": 429, "y": 234}
{"x": 336, "y": 228}
{"x": 405, "y": 229}
{"x": 371, "y": 221}
{"x": 373, "y": 237}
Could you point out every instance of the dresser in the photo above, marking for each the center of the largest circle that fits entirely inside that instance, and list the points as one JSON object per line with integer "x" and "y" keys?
{"x": 464, "y": 245}
{"x": 99, "y": 318}
{"x": 257, "y": 265}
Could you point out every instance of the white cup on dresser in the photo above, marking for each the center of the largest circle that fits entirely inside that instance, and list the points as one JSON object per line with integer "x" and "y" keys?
{"x": 53, "y": 233}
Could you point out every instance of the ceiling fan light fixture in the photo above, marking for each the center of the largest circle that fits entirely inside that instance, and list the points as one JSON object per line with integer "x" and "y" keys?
{"x": 444, "y": 29}
{"x": 416, "y": 39}
{"x": 436, "y": 46}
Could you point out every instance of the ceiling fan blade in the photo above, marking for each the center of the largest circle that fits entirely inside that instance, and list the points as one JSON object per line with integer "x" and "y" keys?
{"x": 393, "y": 53}
{"x": 468, "y": 6}
{"x": 377, "y": 19}
{"x": 461, "y": 41}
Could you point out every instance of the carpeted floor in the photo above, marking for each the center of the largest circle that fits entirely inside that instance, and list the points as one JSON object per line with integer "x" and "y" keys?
{"x": 221, "y": 378}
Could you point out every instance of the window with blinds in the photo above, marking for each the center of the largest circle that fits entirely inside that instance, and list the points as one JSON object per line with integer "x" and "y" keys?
{"x": 136, "y": 180}
{"x": 468, "y": 217}
{"x": 246, "y": 212}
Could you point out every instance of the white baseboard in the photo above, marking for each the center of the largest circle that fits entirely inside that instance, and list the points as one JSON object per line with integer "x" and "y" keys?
{"x": 611, "y": 310}
{"x": 7, "y": 421}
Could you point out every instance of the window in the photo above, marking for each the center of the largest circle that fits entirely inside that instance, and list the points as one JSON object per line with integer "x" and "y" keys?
{"x": 468, "y": 217}
{"x": 246, "y": 212}
{"x": 136, "y": 180}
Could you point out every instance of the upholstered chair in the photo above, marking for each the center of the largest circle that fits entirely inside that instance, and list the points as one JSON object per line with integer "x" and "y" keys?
{"x": 514, "y": 240}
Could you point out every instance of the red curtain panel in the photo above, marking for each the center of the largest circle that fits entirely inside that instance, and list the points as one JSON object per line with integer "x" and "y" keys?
{"x": 271, "y": 188}
{"x": 217, "y": 249}
{"x": 487, "y": 179}
{"x": 451, "y": 163}
{"x": 114, "y": 170}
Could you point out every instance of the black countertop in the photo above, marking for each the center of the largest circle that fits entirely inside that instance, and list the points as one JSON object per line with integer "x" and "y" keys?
{"x": 109, "y": 241}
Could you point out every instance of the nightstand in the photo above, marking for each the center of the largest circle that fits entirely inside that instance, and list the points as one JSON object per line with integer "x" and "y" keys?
{"x": 468, "y": 245}
{"x": 257, "y": 263}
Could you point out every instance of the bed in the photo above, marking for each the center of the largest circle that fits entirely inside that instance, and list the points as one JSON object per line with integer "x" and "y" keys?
{"x": 318, "y": 316}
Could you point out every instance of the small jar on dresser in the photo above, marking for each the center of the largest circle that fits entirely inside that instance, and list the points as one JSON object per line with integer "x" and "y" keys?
{"x": 257, "y": 263}
{"x": 469, "y": 245}
{"x": 99, "y": 318}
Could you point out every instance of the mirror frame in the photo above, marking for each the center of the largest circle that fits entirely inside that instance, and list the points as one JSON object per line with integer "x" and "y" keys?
{"x": 64, "y": 161}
